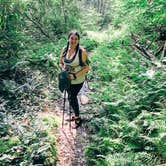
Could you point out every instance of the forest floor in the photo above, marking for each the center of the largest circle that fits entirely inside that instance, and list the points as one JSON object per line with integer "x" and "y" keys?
{"x": 71, "y": 142}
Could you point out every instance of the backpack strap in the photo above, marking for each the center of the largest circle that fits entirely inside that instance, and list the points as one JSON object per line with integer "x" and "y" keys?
{"x": 80, "y": 57}
{"x": 64, "y": 51}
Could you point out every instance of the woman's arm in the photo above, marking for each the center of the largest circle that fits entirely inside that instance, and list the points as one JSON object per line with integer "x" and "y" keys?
{"x": 61, "y": 64}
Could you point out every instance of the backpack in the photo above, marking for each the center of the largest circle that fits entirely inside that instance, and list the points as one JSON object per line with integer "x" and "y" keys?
{"x": 63, "y": 81}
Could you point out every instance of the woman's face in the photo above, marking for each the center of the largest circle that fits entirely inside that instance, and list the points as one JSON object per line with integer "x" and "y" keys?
{"x": 73, "y": 40}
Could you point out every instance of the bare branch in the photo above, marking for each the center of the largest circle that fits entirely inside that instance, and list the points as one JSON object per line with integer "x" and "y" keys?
{"x": 38, "y": 26}
{"x": 142, "y": 51}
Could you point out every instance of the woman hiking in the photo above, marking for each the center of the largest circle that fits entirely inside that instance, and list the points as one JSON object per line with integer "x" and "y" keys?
{"x": 73, "y": 59}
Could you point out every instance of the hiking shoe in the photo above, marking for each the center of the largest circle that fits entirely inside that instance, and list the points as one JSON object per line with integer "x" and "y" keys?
{"x": 78, "y": 122}
{"x": 70, "y": 119}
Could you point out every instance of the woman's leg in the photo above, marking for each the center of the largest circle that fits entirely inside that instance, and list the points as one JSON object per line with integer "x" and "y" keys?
{"x": 73, "y": 92}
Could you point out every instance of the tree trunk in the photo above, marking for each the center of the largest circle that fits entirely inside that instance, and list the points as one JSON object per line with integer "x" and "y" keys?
{"x": 98, "y": 5}
{"x": 101, "y": 6}
{"x": 64, "y": 14}
{"x": 104, "y": 7}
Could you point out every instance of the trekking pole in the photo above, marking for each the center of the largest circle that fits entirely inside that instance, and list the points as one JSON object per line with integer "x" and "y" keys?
{"x": 64, "y": 100}
{"x": 69, "y": 98}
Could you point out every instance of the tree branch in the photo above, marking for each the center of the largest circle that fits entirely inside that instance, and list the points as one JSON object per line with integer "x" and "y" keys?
{"x": 38, "y": 25}
{"x": 142, "y": 51}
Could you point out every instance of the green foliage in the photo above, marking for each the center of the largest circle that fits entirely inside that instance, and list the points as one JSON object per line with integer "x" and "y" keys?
{"x": 10, "y": 33}
{"x": 34, "y": 144}
{"x": 51, "y": 18}
{"x": 8, "y": 143}
{"x": 89, "y": 44}
{"x": 50, "y": 122}
{"x": 132, "y": 159}
{"x": 130, "y": 89}
{"x": 90, "y": 18}
{"x": 134, "y": 104}
{"x": 4, "y": 129}
{"x": 130, "y": 129}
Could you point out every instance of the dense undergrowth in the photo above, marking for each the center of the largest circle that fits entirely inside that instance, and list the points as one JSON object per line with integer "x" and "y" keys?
{"x": 26, "y": 137}
{"x": 129, "y": 81}
{"x": 131, "y": 128}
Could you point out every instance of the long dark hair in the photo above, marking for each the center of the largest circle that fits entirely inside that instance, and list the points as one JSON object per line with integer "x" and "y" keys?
{"x": 72, "y": 32}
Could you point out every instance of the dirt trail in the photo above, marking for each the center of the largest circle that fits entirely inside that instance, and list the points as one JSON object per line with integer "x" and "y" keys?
{"x": 71, "y": 142}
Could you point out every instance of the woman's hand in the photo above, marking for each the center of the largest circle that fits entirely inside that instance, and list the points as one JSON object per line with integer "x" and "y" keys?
{"x": 72, "y": 76}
